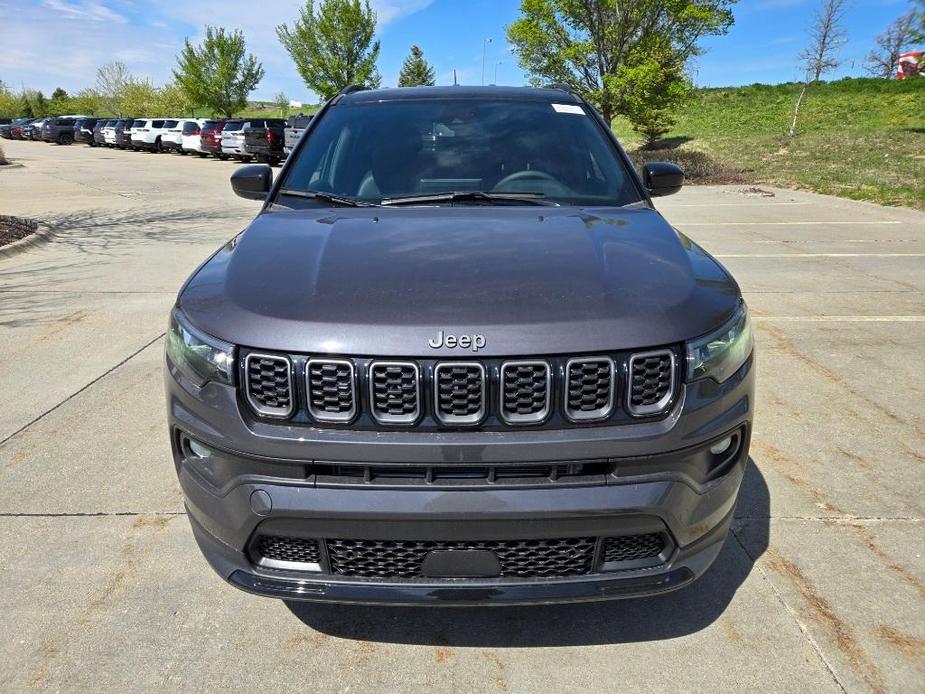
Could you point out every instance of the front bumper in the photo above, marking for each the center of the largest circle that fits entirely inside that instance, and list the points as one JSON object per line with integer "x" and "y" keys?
{"x": 262, "y": 483}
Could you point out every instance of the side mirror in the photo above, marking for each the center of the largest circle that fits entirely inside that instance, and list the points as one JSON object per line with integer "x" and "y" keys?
{"x": 252, "y": 182}
{"x": 662, "y": 178}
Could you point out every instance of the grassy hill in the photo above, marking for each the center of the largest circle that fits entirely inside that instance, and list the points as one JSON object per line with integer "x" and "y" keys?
{"x": 858, "y": 138}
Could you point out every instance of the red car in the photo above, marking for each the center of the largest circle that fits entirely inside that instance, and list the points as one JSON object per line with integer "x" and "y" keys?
{"x": 210, "y": 137}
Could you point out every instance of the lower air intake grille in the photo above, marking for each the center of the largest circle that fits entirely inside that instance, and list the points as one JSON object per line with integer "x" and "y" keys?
{"x": 519, "y": 558}
{"x": 394, "y": 392}
{"x": 269, "y": 384}
{"x": 589, "y": 388}
{"x": 633, "y": 547}
{"x": 331, "y": 390}
{"x": 289, "y": 549}
{"x": 525, "y": 391}
{"x": 460, "y": 393}
{"x": 651, "y": 382}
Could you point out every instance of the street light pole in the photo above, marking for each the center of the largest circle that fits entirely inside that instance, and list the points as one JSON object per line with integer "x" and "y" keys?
{"x": 485, "y": 43}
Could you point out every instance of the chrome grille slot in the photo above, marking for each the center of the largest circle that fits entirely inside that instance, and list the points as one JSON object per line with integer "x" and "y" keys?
{"x": 460, "y": 393}
{"x": 395, "y": 392}
{"x": 651, "y": 382}
{"x": 331, "y": 388}
{"x": 268, "y": 384}
{"x": 287, "y": 553}
{"x": 589, "y": 388}
{"x": 526, "y": 391}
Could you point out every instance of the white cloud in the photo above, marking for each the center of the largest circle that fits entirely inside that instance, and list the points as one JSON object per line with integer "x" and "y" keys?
{"x": 93, "y": 11}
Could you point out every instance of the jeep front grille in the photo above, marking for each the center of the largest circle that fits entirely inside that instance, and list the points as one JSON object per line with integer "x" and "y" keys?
{"x": 526, "y": 390}
{"x": 589, "y": 388}
{"x": 651, "y": 381}
{"x": 571, "y": 556}
{"x": 395, "y": 392}
{"x": 331, "y": 388}
{"x": 397, "y": 560}
{"x": 269, "y": 384}
{"x": 460, "y": 393}
{"x": 490, "y": 393}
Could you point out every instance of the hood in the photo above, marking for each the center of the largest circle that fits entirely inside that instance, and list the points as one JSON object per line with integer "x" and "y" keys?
{"x": 529, "y": 280}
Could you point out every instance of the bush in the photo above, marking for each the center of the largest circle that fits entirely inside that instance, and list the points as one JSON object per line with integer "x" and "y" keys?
{"x": 698, "y": 166}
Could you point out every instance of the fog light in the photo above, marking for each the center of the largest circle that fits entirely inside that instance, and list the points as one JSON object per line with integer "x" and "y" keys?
{"x": 200, "y": 451}
{"x": 721, "y": 447}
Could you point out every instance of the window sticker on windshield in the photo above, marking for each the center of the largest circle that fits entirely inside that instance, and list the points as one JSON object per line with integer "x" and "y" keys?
{"x": 568, "y": 108}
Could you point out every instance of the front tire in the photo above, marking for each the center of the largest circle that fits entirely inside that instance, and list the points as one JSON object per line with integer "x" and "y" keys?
{"x": 158, "y": 147}
{"x": 65, "y": 139}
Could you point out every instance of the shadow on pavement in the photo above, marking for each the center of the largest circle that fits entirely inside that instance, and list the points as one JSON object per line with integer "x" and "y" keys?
{"x": 618, "y": 621}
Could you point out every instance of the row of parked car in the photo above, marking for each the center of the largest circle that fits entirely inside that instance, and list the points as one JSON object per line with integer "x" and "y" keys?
{"x": 267, "y": 140}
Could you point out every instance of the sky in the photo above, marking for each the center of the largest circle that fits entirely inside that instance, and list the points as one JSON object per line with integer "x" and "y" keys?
{"x": 46, "y": 44}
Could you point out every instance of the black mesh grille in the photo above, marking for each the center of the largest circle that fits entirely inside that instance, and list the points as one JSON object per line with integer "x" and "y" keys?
{"x": 519, "y": 558}
{"x": 650, "y": 380}
{"x": 394, "y": 392}
{"x": 269, "y": 384}
{"x": 294, "y": 549}
{"x": 525, "y": 391}
{"x": 632, "y": 547}
{"x": 460, "y": 392}
{"x": 590, "y": 384}
{"x": 331, "y": 393}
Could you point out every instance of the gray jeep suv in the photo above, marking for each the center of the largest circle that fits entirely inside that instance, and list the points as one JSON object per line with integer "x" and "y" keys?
{"x": 459, "y": 358}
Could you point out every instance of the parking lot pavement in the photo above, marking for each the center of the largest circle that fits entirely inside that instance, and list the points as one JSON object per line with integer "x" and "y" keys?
{"x": 820, "y": 588}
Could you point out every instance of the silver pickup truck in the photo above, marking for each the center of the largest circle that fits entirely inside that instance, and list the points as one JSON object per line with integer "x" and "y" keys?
{"x": 294, "y": 127}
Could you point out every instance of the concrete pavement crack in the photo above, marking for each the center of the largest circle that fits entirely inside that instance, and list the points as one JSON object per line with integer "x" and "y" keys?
{"x": 81, "y": 389}
{"x": 793, "y": 615}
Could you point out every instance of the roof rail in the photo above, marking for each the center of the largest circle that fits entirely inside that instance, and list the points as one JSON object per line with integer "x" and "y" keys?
{"x": 561, "y": 86}
{"x": 350, "y": 89}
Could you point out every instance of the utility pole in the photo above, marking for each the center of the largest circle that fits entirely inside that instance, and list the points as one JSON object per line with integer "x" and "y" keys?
{"x": 496, "y": 71}
{"x": 485, "y": 43}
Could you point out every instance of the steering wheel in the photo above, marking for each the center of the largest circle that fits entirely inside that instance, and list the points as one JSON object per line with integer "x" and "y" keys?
{"x": 531, "y": 175}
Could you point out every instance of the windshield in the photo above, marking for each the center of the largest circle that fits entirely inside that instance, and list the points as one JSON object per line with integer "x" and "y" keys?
{"x": 387, "y": 150}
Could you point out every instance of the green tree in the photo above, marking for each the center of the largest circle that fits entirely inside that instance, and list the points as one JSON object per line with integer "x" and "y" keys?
{"x": 112, "y": 79}
{"x": 586, "y": 43}
{"x": 333, "y": 47}
{"x": 171, "y": 100}
{"x": 219, "y": 73}
{"x": 9, "y": 104}
{"x": 60, "y": 102}
{"x": 139, "y": 99}
{"x": 415, "y": 71}
{"x": 87, "y": 101}
{"x": 282, "y": 103}
{"x": 652, "y": 89}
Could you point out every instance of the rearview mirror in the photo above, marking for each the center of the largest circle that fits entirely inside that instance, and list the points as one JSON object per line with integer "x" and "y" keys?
{"x": 252, "y": 182}
{"x": 662, "y": 178}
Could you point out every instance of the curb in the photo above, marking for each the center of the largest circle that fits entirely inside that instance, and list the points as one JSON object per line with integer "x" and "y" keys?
{"x": 38, "y": 237}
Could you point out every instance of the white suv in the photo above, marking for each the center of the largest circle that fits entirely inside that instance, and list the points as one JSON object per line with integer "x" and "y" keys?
{"x": 233, "y": 139}
{"x": 191, "y": 141}
{"x": 148, "y": 134}
{"x": 172, "y": 139}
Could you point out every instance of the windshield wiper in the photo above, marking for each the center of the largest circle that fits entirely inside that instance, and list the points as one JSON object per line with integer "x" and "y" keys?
{"x": 470, "y": 196}
{"x": 326, "y": 197}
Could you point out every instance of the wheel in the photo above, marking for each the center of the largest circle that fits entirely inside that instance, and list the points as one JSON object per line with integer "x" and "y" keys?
{"x": 158, "y": 147}
{"x": 202, "y": 155}
{"x": 223, "y": 157}
{"x": 273, "y": 161}
{"x": 65, "y": 139}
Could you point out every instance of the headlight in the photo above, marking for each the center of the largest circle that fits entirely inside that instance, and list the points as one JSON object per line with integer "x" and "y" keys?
{"x": 199, "y": 357}
{"x": 721, "y": 353}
